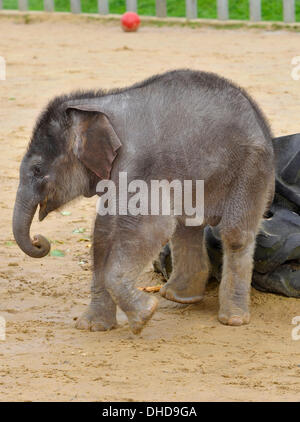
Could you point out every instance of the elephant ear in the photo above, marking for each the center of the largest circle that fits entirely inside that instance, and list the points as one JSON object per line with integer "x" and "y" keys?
{"x": 96, "y": 142}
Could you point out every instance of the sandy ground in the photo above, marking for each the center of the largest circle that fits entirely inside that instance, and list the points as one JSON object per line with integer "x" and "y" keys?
{"x": 184, "y": 353}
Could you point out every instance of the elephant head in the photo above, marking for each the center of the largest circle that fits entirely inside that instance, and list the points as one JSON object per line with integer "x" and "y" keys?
{"x": 73, "y": 146}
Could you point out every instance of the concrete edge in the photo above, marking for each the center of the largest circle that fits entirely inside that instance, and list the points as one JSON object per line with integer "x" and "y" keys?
{"x": 38, "y": 16}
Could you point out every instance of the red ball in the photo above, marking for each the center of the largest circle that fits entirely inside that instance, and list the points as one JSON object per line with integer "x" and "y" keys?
{"x": 130, "y": 21}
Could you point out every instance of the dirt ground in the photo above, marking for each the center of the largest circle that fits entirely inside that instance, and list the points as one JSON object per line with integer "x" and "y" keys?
{"x": 184, "y": 353}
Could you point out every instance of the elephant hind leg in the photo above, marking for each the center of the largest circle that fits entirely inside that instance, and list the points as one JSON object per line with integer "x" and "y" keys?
{"x": 190, "y": 265}
{"x": 234, "y": 293}
{"x": 239, "y": 227}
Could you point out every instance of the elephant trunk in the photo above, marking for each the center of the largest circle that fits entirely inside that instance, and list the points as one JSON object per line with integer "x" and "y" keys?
{"x": 24, "y": 211}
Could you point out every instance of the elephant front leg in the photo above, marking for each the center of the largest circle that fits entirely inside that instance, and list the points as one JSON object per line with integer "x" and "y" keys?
{"x": 138, "y": 306}
{"x": 234, "y": 294}
{"x": 190, "y": 266}
{"x": 101, "y": 312}
{"x": 138, "y": 240}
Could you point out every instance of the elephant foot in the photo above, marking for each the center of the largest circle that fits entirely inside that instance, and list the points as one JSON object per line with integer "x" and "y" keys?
{"x": 184, "y": 292}
{"x": 139, "y": 317}
{"x": 93, "y": 320}
{"x": 234, "y": 318}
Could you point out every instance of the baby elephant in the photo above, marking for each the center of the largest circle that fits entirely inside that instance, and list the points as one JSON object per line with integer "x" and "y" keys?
{"x": 178, "y": 126}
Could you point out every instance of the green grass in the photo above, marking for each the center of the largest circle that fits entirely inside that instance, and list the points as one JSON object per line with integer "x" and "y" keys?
{"x": 238, "y": 9}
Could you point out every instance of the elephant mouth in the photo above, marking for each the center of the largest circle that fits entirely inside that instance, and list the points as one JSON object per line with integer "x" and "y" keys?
{"x": 46, "y": 206}
{"x": 43, "y": 211}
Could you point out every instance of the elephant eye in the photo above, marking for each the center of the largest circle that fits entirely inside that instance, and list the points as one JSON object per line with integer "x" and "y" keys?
{"x": 36, "y": 171}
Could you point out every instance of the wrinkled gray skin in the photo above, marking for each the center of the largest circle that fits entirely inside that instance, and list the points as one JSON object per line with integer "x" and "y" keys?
{"x": 179, "y": 125}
